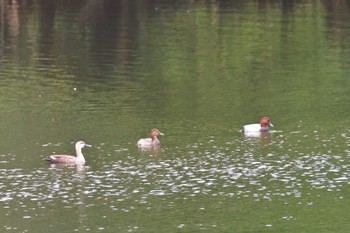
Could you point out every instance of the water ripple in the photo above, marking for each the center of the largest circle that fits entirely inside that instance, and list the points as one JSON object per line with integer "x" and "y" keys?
{"x": 216, "y": 171}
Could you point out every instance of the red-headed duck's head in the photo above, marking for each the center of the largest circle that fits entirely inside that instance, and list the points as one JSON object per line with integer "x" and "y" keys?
{"x": 265, "y": 121}
{"x": 155, "y": 133}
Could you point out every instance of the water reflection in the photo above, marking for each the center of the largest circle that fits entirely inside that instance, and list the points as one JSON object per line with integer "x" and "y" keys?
{"x": 257, "y": 134}
{"x": 94, "y": 22}
{"x": 150, "y": 151}
{"x": 13, "y": 17}
{"x": 79, "y": 168}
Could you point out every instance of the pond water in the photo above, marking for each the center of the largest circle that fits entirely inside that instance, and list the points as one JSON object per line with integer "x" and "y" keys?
{"x": 107, "y": 72}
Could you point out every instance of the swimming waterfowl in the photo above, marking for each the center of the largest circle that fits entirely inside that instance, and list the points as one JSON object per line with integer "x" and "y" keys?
{"x": 69, "y": 159}
{"x": 262, "y": 127}
{"x": 150, "y": 142}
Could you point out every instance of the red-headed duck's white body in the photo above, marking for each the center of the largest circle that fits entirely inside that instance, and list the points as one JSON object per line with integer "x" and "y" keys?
{"x": 262, "y": 127}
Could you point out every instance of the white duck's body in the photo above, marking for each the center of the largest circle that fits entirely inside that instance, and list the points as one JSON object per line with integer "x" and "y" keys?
{"x": 70, "y": 159}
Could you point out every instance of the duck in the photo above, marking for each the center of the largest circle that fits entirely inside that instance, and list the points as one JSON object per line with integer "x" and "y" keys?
{"x": 70, "y": 159}
{"x": 262, "y": 127}
{"x": 150, "y": 142}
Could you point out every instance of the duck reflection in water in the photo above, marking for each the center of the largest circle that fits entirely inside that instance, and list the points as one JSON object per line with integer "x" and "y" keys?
{"x": 151, "y": 152}
{"x": 80, "y": 168}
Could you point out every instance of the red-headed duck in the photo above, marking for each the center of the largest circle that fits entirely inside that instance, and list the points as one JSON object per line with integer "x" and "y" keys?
{"x": 150, "y": 142}
{"x": 69, "y": 159}
{"x": 262, "y": 127}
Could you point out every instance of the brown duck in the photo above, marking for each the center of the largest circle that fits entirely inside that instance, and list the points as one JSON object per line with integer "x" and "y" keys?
{"x": 69, "y": 159}
{"x": 150, "y": 142}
